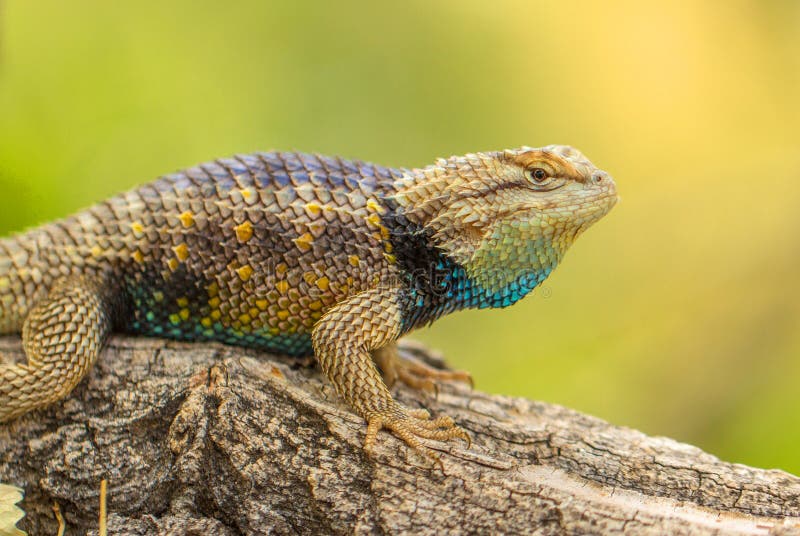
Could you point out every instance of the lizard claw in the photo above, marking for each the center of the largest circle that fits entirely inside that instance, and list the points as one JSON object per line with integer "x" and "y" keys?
{"x": 411, "y": 425}
{"x": 421, "y": 376}
{"x": 399, "y": 365}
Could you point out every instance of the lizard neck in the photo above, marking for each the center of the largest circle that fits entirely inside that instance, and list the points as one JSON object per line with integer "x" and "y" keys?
{"x": 517, "y": 255}
{"x": 436, "y": 283}
{"x": 484, "y": 261}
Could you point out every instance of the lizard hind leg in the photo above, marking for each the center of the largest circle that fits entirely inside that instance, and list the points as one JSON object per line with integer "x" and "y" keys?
{"x": 62, "y": 336}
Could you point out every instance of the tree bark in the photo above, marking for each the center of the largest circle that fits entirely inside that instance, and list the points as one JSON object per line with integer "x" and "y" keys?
{"x": 208, "y": 439}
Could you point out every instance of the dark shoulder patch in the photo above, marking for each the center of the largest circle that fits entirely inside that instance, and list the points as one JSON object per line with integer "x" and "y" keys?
{"x": 431, "y": 279}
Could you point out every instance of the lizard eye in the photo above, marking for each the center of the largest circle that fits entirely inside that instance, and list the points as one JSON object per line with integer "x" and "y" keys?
{"x": 538, "y": 175}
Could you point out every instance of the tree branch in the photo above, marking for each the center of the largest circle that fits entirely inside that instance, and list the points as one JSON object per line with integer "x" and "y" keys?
{"x": 209, "y": 439}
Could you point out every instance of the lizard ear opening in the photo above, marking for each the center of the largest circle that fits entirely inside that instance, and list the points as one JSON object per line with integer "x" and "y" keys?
{"x": 459, "y": 234}
{"x": 473, "y": 233}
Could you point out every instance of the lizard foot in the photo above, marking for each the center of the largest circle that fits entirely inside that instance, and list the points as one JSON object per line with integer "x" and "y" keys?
{"x": 404, "y": 366}
{"x": 411, "y": 425}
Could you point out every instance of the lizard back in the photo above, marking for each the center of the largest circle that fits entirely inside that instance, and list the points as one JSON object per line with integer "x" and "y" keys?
{"x": 250, "y": 250}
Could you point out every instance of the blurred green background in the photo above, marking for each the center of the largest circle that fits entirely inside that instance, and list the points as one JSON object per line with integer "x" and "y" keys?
{"x": 678, "y": 314}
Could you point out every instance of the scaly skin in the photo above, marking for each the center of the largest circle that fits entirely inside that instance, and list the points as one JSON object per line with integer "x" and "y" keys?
{"x": 295, "y": 254}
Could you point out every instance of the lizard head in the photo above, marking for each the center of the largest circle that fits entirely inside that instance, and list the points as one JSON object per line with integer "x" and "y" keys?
{"x": 508, "y": 216}
{"x": 555, "y": 189}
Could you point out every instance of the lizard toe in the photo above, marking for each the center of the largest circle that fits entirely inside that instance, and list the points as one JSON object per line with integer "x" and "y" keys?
{"x": 411, "y": 425}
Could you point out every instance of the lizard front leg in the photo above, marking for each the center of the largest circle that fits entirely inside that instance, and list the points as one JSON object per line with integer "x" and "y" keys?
{"x": 62, "y": 337}
{"x": 343, "y": 340}
{"x": 402, "y": 365}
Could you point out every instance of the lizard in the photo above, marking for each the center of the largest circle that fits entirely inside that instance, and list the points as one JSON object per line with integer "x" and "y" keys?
{"x": 296, "y": 254}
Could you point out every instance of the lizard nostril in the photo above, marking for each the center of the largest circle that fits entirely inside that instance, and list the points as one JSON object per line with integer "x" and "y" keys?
{"x": 598, "y": 177}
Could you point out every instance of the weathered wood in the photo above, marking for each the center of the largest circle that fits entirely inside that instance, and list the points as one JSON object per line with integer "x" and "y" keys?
{"x": 217, "y": 440}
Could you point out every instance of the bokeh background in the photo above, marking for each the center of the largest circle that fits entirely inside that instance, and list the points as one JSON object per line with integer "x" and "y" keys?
{"x": 678, "y": 314}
